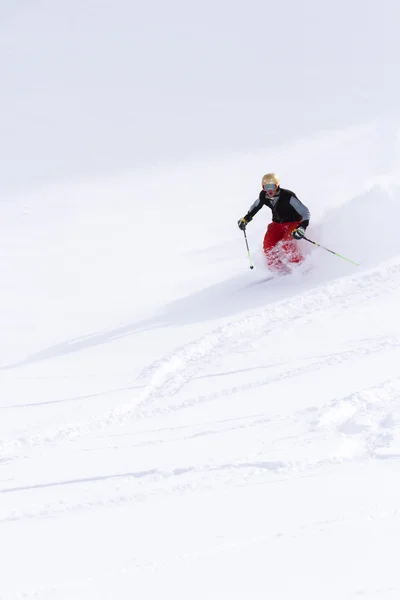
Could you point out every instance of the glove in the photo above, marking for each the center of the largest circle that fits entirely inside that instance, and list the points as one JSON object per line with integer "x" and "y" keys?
{"x": 298, "y": 233}
{"x": 242, "y": 223}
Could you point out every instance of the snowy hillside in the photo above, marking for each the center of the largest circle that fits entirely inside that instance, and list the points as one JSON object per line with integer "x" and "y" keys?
{"x": 173, "y": 425}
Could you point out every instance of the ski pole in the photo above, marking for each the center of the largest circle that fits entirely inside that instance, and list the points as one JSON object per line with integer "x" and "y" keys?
{"x": 331, "y": 251}
{"x": 248, "y": 249}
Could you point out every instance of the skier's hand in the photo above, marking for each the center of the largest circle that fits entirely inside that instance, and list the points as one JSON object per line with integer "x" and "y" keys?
{"x": 299, "y": 233}
{"x": 242, "y": 223}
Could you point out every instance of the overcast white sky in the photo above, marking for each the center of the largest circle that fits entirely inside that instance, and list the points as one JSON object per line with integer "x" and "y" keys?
{"x": 102, "y": 86}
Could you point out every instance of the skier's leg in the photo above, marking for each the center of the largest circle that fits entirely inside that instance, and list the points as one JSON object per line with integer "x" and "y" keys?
{"x": 290, "y": 246}
{"x": 273, "y": 236}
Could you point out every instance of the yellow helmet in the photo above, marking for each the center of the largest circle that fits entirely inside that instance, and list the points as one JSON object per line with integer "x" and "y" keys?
{"x": 270, "y": 179}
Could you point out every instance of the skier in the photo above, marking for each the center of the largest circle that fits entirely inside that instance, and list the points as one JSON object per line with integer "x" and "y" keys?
{"x": 290, "y": 218}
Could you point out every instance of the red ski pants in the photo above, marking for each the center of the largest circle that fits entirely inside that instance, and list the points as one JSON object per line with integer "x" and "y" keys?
{"x": 280, "y": 247}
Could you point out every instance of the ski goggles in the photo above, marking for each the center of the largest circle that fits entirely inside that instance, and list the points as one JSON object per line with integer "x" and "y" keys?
{"x": 269, "y": 186}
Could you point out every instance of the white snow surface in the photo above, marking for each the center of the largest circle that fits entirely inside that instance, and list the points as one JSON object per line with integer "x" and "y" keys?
{"x": 177, "y": 426}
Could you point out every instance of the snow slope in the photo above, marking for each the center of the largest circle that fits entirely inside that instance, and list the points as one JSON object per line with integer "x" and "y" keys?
{"x": 172, "y": 425}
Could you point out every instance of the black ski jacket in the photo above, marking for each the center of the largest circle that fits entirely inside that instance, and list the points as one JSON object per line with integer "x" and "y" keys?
{"x": 285, "y": 206}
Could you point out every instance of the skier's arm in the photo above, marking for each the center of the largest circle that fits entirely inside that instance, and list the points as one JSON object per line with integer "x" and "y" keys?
{"x": 302, "y": 211}
{"x": 253, "y": 210}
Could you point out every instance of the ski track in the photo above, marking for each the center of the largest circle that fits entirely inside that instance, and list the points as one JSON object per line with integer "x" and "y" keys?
{"x": 172, "y": 372}
{"x": 375, "y": 347}
{"x": 362, "y": 426}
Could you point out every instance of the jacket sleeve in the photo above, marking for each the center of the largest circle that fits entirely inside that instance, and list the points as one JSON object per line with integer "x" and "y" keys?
{"x": 254, "y": 208}
{"x": 302, "y": 211}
